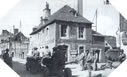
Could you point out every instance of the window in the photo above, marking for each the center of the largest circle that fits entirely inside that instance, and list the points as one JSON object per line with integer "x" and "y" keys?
{"x": 47, "y": 33}
{"x": 80, "y": 32}
{"x": 81, "y": 49}
{"x": 64, "y": 31}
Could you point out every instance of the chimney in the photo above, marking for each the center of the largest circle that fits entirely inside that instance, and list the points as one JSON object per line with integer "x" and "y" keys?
{"x": 80, "y": 7}
{"x": 16, "y": 31}
{"x": 107, "y": 1}
{"x": 41, "y": 19}
{"x": 34, "y": 29}
{"x": 46, "y": 11}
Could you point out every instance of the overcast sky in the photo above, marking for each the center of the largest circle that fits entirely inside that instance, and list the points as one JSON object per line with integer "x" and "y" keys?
{"x": 29, "y": 12}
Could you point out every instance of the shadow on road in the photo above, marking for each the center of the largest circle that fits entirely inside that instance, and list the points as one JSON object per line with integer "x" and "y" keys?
{"x": 20, "y": 69}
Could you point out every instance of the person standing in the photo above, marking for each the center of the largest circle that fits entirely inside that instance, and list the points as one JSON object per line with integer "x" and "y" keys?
{"x": 22, "y": 54}
{"x": 12, "y": 54}
{"x": 41, "y": 51}
{"x": 95, "y": 60}
{"x": 84, "y": 59}
{"x": 89, "y": 60}
{"x": 7, "y": 59}
{"x": 122, "y": 56}
{"x": 6, "y": 56}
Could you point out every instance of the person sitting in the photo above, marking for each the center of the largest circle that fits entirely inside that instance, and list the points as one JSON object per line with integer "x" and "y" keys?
{"x": 36, "y": 52}
{"x": 46, "y": 52}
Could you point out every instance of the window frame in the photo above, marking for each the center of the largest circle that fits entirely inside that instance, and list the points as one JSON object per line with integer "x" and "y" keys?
{"x": 47, "y": 32}
{"x": 68, "y": 28}
{"x": 83, "y": 33}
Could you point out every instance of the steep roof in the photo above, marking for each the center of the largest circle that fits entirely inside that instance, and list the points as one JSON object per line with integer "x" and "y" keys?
{"x": 19, "y": 37}
{"x": 111, "y": 40}
{"x": 67, "y": 14}
{"x": 6, "y": 33}
{"x": 95, "y": 33}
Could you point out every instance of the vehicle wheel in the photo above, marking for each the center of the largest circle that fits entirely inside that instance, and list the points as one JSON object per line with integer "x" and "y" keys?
{"x": 28, "y": 67}
{"x": 67, "y": 72}
{"x": 33, "y": 70}
{"x": 45, "y": 72}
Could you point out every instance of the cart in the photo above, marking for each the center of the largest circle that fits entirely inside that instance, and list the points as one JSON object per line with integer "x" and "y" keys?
{"x": 33, "y": 64}
{"x": 55, "y": 65}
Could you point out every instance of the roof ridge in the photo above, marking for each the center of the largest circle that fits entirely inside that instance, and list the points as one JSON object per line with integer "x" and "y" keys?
{"x": 64, "y": 14}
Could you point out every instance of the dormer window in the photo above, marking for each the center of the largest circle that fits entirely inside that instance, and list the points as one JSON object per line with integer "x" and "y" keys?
{"x": 73, "y": 12}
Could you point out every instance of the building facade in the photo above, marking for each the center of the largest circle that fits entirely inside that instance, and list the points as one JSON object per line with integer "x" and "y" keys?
{"x": 66, "y": 27}
{"x": 16, "y": 42}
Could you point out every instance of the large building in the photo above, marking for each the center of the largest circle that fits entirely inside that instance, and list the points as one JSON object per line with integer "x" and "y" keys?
{"x": 16, "y": 42}
{"x": 67, "y": 27}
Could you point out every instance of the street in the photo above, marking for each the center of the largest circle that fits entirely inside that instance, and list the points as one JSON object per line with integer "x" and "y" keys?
{"x": 20, "y": 69}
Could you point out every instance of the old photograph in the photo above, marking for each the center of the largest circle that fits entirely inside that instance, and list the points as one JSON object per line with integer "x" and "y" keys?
{"x": 63, "y": 38}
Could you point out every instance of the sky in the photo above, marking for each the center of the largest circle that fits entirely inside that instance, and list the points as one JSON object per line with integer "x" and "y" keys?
{"x": 28, "y": 12}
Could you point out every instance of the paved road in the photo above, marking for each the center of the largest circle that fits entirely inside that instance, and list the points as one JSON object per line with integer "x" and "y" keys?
{"x": 20, "y": 69}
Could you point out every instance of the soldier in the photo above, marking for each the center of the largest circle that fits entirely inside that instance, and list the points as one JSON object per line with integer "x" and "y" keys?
{"x": 89, "y": 60}
{"x": 95, "y": 60}
{"x": 7, "y": 58}
{"x": 36, "y": 52}
{"x": 122, "y": 56}
{"x": 82, "y": 58}
{"x": 46, "y": 52}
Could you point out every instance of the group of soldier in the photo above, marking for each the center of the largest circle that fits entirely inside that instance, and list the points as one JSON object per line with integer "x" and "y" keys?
{"x": 87, "y": 59}
{"x": 90, "y": 59}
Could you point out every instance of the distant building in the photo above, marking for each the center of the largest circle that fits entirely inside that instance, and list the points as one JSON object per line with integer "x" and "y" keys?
{"x": 16, "y": 42}
{"x": 4, "y": 39}
{"x": 67, "y": 27}
{"x": 110, "y": 41}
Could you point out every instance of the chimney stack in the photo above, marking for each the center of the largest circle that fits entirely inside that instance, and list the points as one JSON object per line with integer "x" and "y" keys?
{"x": 34, "y": 29}
{"x": 80, "y": 7}
{"x": 16, "y": 31}
{"x": 46, "y": 11}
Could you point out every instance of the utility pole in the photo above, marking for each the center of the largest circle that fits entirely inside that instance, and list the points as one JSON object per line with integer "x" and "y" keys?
{"x": 20, "y": 26}
{"x": 96, "y": 18}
